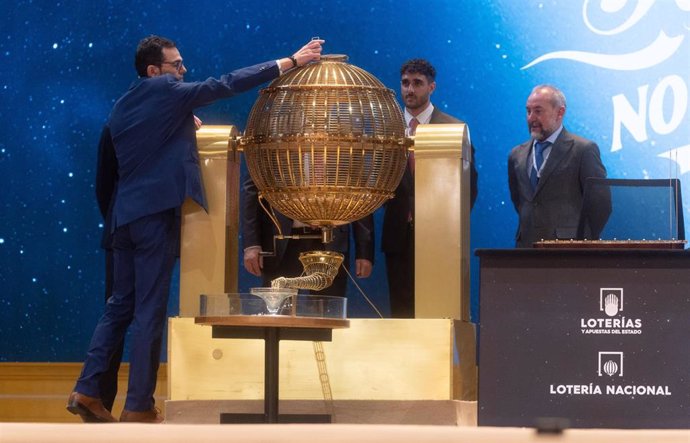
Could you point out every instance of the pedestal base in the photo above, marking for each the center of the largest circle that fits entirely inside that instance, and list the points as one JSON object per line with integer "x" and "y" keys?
{"x": 228, "y": 418}
{"x": 374, "y": 359}
{"x": 380, "y": 412}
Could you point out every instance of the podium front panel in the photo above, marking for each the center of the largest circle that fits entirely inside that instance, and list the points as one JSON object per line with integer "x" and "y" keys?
{"x": 591, "y": 338}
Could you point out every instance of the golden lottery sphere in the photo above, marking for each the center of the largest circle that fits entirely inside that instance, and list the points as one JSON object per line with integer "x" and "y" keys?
{"x": 325, "y": 143}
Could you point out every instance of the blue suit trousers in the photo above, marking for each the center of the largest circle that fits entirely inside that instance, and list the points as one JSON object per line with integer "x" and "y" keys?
{"x": 144, "y": 254}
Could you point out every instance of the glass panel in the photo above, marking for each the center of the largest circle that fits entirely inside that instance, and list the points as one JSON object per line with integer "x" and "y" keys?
{"x": 295, "y": 305}
{"x": 619, "y": 209}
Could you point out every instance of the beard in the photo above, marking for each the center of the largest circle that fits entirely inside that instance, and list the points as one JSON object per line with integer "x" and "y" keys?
{"x": 537, "y": 133}
{"x": 415, "y": 102}
{"x": 540, "y": 132}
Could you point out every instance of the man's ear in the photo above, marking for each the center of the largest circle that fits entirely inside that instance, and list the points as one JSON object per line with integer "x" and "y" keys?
{"x": 153, "y": 71}
{"x": 432, "y": 87}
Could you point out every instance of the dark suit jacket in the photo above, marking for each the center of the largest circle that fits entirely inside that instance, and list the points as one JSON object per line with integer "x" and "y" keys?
{"x": 152, "y": 127}
{"x": 394, "y": 235}
{"x": 258, "y": 229}
{"x": 552, "y": 210}
{"x": 106, "y": 181}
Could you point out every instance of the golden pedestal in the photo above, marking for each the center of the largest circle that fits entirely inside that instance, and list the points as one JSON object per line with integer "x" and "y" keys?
{"x": 375, "y": 361}
{"x": 376, "y": 371}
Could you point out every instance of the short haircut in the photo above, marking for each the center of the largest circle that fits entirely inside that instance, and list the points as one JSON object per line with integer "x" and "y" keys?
{"x": 419, "y": 66}
{"x": 557, "y": 97}
{"x": 150, "y": 52}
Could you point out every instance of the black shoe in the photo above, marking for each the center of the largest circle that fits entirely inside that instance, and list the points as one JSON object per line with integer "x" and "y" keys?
{"x": 90, "y": 409}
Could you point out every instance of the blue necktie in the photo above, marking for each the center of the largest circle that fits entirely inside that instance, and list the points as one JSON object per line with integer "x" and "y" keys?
{"x": 539, "y": 148}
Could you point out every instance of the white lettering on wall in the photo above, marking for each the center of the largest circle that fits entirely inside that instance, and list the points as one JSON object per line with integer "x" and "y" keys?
{"x": 652, "y": 109}
{"x": 633, "y": 119}
{"x": 679, "y": 97}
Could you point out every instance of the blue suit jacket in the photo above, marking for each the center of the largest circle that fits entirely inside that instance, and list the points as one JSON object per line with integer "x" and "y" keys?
{"x": 106, "y": 183}
{"x": 152, "y": 128}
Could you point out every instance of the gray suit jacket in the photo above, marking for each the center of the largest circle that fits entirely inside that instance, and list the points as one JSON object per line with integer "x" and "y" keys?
{"x": 552, "y": 210}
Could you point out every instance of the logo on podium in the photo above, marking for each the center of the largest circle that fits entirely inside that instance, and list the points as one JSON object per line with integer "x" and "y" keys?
{"x": 611, "y": 364}
{"x": 611, "y": 301}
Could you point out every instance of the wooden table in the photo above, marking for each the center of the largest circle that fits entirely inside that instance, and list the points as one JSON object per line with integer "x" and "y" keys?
{"x": 272, "y": 329}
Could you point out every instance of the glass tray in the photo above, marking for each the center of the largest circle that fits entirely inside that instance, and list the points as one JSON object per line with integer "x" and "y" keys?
{"x": 263, "y": 302}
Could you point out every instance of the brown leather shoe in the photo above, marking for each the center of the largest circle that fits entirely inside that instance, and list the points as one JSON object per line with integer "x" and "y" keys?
{"x": 90, "y": 409}
{"x": 151, "y": 416}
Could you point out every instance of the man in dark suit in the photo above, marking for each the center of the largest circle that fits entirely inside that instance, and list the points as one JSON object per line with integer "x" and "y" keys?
{"x": 417, "y": 83}
{"x": 153, "y": 131}
{"x": 547, "y": 173}
{"x": 106, "y": 183}
{"x": 257, "y": 236}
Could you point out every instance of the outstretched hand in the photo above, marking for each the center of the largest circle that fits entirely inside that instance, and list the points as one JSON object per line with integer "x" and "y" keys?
{"x": 309, "y": 52}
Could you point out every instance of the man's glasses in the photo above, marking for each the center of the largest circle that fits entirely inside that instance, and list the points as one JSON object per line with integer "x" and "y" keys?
{"x": 178, "y": 65}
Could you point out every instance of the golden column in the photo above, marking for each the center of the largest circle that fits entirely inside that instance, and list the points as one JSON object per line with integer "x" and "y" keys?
{"x": 442, "y": 224}
{"x": 209, "y": 250}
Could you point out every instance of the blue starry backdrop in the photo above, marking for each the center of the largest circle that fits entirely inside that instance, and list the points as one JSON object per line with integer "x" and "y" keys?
{"x": 623, "y": 65}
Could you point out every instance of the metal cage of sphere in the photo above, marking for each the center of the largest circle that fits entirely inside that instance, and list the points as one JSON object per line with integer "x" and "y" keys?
{"x": 325, "y": 143}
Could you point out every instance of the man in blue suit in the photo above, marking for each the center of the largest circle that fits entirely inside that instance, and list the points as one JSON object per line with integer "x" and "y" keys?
{"x": 106, "y": 183}
{"x": 153, "y": 131}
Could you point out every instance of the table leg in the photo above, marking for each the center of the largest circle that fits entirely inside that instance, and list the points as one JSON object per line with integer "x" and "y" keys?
{"x": 271, "y": 337}
{"x": 271, "y": 354}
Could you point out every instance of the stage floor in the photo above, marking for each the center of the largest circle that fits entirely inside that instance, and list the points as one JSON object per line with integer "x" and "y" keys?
{"x": 334, "y": 433}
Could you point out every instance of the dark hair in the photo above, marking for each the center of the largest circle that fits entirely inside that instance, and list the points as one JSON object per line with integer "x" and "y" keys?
{"x": 150, "y": 52}
{"x": 419, "y": 66}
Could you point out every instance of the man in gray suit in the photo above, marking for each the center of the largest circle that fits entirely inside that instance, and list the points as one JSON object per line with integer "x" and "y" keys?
{"x": 547, "y": 173}
{"x": 417, "y": 83}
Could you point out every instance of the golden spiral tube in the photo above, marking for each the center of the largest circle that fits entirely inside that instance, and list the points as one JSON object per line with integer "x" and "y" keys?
{"x": 320, "y": 268}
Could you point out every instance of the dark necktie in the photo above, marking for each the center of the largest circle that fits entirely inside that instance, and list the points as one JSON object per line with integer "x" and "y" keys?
{"x": 413, "y": 129}
{"x": 539, "y": 148}
{"x": 410, "y": 163}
